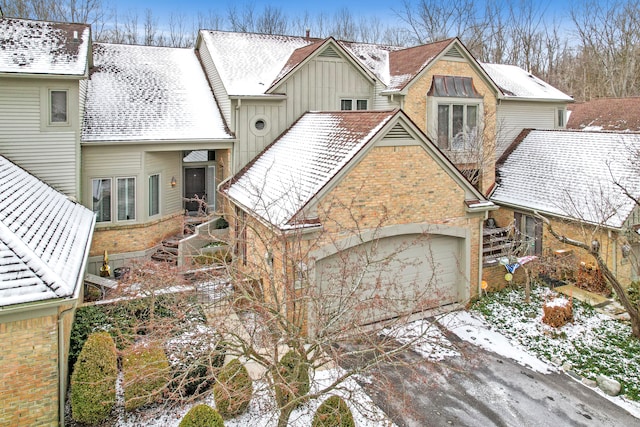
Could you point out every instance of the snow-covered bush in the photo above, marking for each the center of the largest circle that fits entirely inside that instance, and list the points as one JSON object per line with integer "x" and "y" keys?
{"x": 93, "y": 383}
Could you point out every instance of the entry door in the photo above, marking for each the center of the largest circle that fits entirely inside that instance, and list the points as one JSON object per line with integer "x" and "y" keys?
{"x": 194, "y": 185}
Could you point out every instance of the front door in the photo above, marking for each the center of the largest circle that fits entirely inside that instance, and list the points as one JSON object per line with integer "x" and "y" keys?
{"x": 195, "y": 188}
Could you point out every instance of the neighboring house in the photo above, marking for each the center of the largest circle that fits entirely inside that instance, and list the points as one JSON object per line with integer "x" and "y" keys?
{"x": 359, "y": 177}
{"x": 526, "y": 103}
{"x": 44, "y": 244}
{"x": 152, "y": 136}
{"x": 44, "y": 68}
{"x": 611, "y": 114}
{"x": 568, "y": 177}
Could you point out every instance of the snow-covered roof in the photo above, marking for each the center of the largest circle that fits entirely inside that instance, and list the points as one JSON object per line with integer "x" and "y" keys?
{"x": 279, "y": 182}
{"x": 518, "y": 83}
{"x": 612, "y": 114}
{"x": 569, "y": 173}
{"x": 44, "y": 239}
{"x": 249, "y": 63}
{"x": 37, "y": 47}
{"x": 149, "y": 93}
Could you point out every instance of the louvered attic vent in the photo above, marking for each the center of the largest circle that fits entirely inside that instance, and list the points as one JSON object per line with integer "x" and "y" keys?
{"x": 398, "y": 132}
{"x": 330, "y": 52}
{"x": 454, "y": 52}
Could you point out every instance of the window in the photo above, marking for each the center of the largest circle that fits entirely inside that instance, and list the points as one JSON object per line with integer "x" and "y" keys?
{"x": 126, "y": 195}
{"x": 529, "y": 232}
{"x": 58, "y": 107}
{"x": 561, "y": 117}
{"x": 457, "y": 125}
{"x": 101, "y": 196}
{"x": 347, "y": 104}
{"x": 154, "y": 195}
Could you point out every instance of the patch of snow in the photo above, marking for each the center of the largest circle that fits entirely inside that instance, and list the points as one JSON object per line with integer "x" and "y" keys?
{"x": 557, "y": 302}
{"x": 592, "y": 128}
{"x": 476, "y": 330}
{"x": 425, "y": 338}
{"x": 518, "y": 83}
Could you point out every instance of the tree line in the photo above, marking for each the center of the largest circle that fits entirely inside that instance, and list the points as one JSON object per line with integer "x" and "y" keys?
{"x": 591, "y": 52}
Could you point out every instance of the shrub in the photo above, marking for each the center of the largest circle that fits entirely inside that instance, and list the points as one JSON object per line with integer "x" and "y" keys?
{"x": 633, "y": 292}
{"x": 93, "y": 383}
{"x": 293, "y": 379}
{"x": 333, "y": 412}
{"x": 232, "y": 390}
{"x": 193, "y": 355}
{"x": 146, "y": 373}
{"x": 202, "y": 416}
{"x": 557, "y": 312}
{"x": 87, "y": 320}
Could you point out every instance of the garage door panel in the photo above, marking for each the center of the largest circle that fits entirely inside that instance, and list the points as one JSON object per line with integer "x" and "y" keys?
{"x": 391, "y": 276}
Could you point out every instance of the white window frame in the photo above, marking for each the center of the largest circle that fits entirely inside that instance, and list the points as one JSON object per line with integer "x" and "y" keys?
{"x": 561, "y": 123}
{"x": 135, "y": 199}
{"x": 98, "y": 221}
{"x": 433, "y": 118}
{"x": 50, "y": 120}
{"x": 149, "y": 193}
{"x": 354, "y": 103}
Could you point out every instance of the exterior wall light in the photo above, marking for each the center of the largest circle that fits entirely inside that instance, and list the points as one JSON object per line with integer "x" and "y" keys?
{"x": 626, "y": 250}
{"x": 173, "y": 181}
{"x": 595, "y": 246}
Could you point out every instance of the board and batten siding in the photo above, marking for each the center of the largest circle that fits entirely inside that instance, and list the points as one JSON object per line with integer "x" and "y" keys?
{"x": 319, "y": 85}
{"x": 215, "y": 81}
{"x": 514, "y": 116}
{"x": 48, "y": 152}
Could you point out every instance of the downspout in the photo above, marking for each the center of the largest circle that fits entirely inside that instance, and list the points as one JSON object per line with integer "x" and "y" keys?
{"x": 61, "y": 368}
{"x": 480, "y": 238}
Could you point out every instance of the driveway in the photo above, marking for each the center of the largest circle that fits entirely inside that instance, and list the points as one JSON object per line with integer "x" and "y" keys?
{"x": 480, "y": 388}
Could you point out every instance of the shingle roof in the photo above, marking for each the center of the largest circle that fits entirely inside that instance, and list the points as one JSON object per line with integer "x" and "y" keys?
{"x": 518, "y": 83}
{"x": 406, "y": 64}
{"x": 36, "y": 47}
{"x": 149, "y": 93}
{"x": 44, "y": 239}
{"x": 614, "y": 114}
{"x": 569, "y": 173}
{"x": 280, "y": 181}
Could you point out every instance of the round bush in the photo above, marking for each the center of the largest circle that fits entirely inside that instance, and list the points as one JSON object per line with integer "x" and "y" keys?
{"x": 93, "y": 382}
{"x": 333, "y": 412}
{"x": 292, "y": 381}
{"x": 202, "y": 416}
{"x": 146, "y": 373}
{"x": 232, "y": 390}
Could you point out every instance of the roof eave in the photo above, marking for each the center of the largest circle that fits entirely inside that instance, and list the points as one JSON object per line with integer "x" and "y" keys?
{"x": 82, "y": 76}
{"x": 534, "y": 99}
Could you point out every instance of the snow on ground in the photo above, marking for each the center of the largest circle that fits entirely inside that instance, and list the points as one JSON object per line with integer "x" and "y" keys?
{"x": 426, "y": 339}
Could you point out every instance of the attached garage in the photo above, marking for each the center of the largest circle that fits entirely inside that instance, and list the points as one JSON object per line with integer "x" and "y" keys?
{"x": 391, "y": 276}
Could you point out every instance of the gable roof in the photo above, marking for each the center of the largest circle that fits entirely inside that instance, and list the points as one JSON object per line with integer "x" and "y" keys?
{"x": 279, "y": 183}
{"x": 514, "y": 82}
{"x": 613, "y": 114}
{"x": 149, "y": 93}
{"x": 44, "y": 239}
{"x": 38, "y": 47}
{"x": 406, "y": 64}
{"x": 569, "y": 174}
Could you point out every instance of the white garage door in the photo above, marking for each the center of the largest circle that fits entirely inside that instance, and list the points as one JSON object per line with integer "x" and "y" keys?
{"x": 390, "y": 277}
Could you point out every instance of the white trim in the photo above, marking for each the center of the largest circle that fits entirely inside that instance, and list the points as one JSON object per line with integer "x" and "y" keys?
{"x": 49, "y": 120}
{"x": 111, "y": 197}
{"x": 149, "y": 214}
{"x": 135, "y": 200}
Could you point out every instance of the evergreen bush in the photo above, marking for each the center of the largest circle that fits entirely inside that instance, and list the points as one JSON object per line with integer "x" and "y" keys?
{"x": 292, "y": 380}
{"x": 93, "y": 382}
{"x": 146, "y": 374}
{"x": 232, "y": 390}
{"x": 202, "y": 416}
{"x": 333, "y": 412}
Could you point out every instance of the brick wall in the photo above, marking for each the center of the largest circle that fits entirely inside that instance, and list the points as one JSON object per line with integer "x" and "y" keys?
{"x": 137, "y": 237}
{"x": 29, "y": 372}
{"x": 415, "y": 105}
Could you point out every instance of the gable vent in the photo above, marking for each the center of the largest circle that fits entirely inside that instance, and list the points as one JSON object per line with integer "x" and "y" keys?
{"x": 398, "y": 132}
{"x": 330, "y": 52}
{"x": 454, "y": 52}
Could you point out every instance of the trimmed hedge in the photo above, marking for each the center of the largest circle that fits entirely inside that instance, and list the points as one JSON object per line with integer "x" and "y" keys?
{"x": 202, "y": 416}
{"x": 293, "y": 379}
{"x": 146, "y": 374}
{"x": 333, "y": 412}
{"x": 93, "y": 382}
{"x": 233, "y": 389}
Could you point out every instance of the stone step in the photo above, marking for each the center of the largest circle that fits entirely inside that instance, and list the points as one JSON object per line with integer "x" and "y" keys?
{"x": 165, "y": 257}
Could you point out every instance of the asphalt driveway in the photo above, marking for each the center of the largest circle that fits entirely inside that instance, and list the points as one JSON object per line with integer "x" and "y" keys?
{"x": 480, "y": 388}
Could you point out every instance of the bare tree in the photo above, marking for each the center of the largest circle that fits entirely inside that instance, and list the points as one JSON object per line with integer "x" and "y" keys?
{"x": 272, "y": 20}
